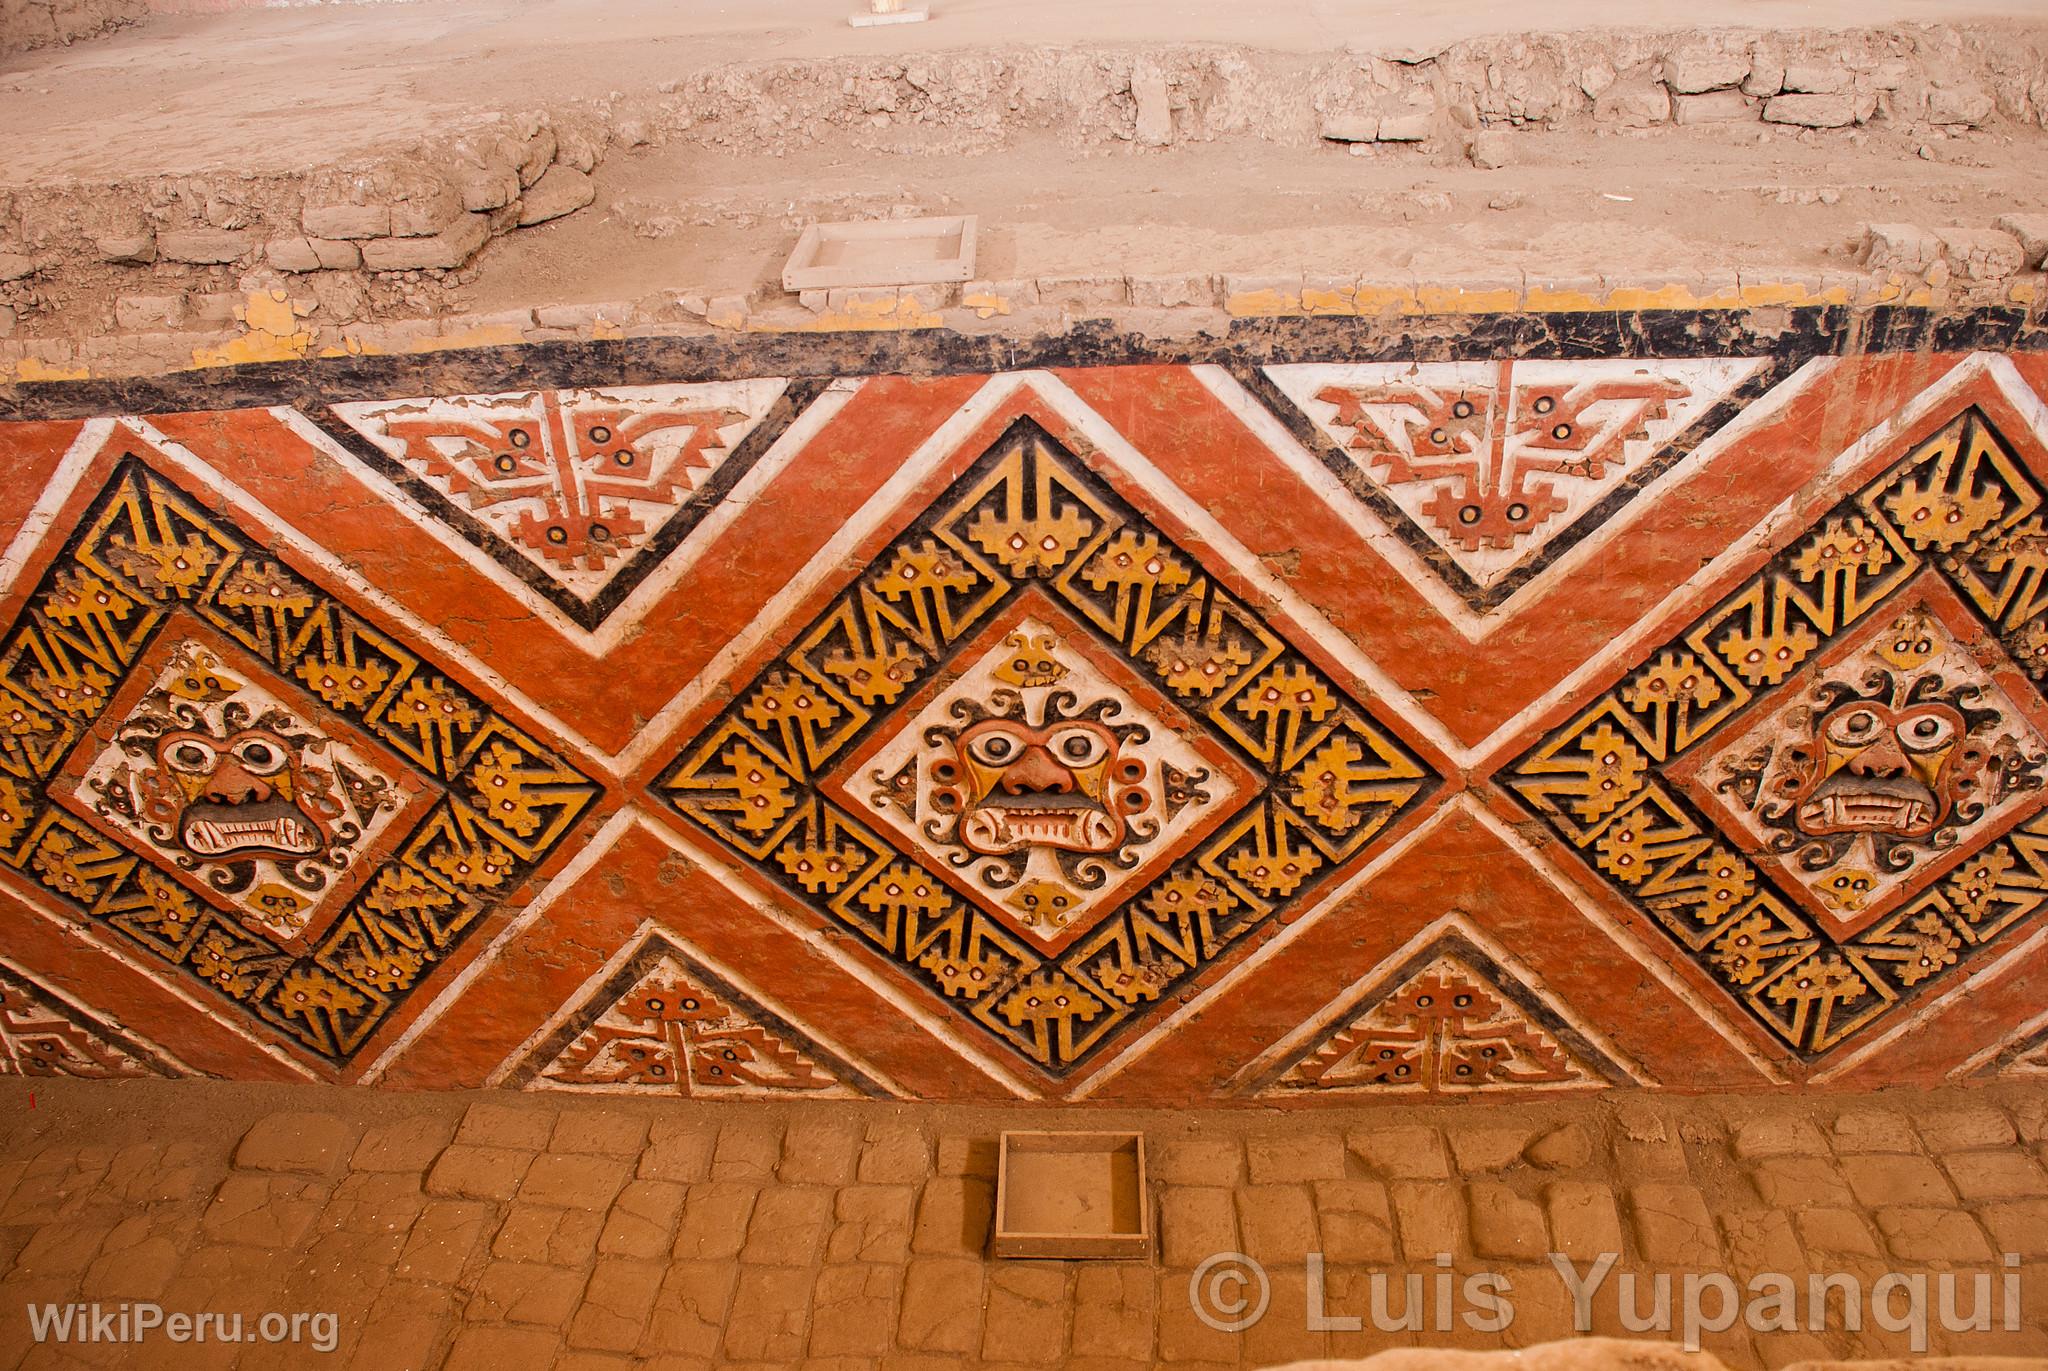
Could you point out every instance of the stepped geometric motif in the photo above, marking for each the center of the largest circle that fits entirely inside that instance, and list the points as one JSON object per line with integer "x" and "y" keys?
{"x": 1500, "y": 466}
{"x": 41, "y": 1035}
{"x": 581, "y": 492}
{"x": 211, "y": 758}
{"x": 1031, "y": 696}
{"x": 1827, "y": 790}
{"x": 1450, "y": 1022}
{"x": 665, "y": 1026}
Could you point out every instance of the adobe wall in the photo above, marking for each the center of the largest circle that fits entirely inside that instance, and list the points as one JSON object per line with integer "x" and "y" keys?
{"x": 1503, "y": 566}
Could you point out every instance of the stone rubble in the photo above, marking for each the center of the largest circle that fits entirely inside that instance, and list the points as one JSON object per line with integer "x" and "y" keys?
{"x": 523, "y": 169}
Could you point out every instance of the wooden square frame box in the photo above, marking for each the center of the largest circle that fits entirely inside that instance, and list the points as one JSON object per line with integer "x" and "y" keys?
{"x": 883, "y": 252}
{"x": 1072, "y": 1195}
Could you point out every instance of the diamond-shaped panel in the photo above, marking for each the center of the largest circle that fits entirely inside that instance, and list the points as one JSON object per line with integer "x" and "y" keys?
{"x": 1877, "y": 765}
{"x": 230, "y": 778}
{"x": 1827, "y": 789}
{"x": 1032, "y": 547}
{"x": 220, "y": 764}
{"x": 1038, "y": 781}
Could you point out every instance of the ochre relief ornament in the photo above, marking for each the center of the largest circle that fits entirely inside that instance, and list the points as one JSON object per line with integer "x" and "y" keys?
{"x": 305, "y": 858}
{"x": 1874, "y": 822}
{"x": 1884, "y": 762}
{"x": 1036, "y": 757}
{"x": 1035, "y": 661}
{"x": 228, "y": 782}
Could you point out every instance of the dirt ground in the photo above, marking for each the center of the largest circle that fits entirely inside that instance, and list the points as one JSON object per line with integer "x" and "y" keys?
{"x": 1574, "y": 204}
{"x": 265, "y": 87}
{"x": 717, "y": 131}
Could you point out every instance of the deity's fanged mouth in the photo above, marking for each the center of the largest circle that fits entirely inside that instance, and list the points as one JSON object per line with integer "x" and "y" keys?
{"x": 1005, "y": 822}
{"x": 1872, "y": 804}
{"x": 221, "y": 830}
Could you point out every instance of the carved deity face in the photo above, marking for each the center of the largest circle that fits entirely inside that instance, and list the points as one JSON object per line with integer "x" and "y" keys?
{"x": 234, "y": 795}
{"x": 1064, "y": 785}
{"x": 1871, "y": 767}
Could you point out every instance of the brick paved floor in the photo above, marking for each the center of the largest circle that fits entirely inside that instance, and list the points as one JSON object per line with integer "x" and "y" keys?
{"x": 494, "y": 1232}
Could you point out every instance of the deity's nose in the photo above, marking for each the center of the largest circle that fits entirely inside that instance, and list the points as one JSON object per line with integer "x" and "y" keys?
{"x": 1036, "y": 773}
{"x": 1882, "y": 758}
{"x": 230, "y": 784}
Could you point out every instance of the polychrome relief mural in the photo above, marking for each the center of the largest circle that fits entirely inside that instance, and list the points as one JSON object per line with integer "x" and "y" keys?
{"x": 303, "y": 851}
{"x": 1884, "y": 759}
{"x": 235, "y": 791}
{"x": 1084, "y": 850}
{"x": 1318, "y": 714}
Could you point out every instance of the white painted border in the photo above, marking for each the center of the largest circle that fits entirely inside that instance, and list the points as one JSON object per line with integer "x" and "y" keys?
{"x": 593, "y": 851}
{"x": 63, "y": 484}
{"x": 90, "y": 935}
{"x": 1983, "y": 1057}
{"x": 105, "y": 1026}
{"x": 1960, "y": 988}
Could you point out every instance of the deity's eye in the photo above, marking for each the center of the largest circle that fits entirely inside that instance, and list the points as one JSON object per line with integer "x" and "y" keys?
{"x": 191, "y": 756}
{"x": 1924, "y": 732}
{"x": 1078, "y": 746}
{"x": 1857, "y": 728}
{"x": 996, "y": 748}
{"x": 260, "y": 755}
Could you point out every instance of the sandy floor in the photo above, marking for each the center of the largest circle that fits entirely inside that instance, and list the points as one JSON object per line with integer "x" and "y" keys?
{"x": 1689, "y": 202}
{"x": 258, "y": 88}
{"x": 254, "y": 98}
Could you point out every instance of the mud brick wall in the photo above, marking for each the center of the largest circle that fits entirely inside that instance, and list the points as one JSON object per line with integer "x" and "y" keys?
{"x": 1340, "y": 709}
